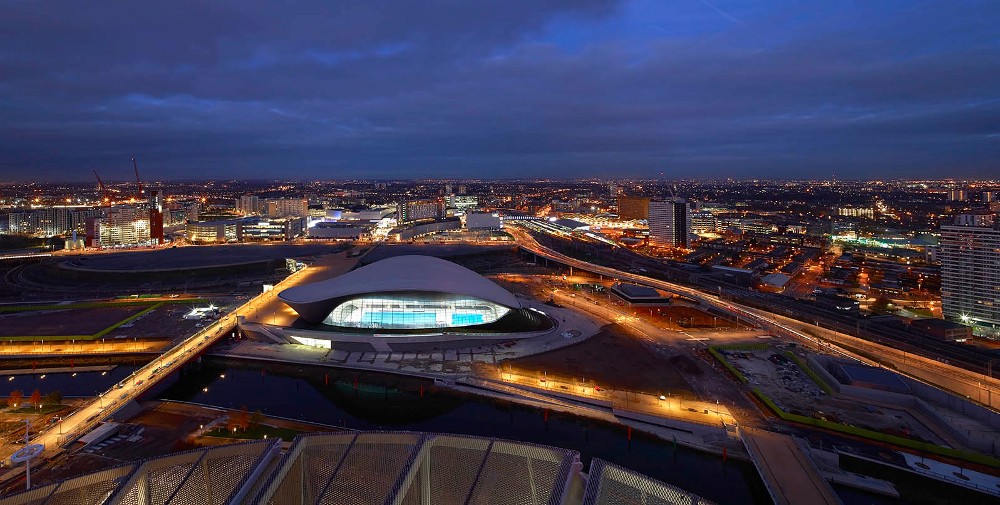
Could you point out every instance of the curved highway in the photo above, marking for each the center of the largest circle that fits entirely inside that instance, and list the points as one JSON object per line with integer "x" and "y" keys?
{"x": 974, "y": 386}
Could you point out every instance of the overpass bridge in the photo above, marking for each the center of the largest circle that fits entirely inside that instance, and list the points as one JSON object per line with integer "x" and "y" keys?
{"x": 90, "y": 415}
{"x": 87, "y": 417}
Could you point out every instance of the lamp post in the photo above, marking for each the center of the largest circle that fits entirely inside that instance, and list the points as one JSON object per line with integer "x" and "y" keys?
{"x": 989, "y": 367}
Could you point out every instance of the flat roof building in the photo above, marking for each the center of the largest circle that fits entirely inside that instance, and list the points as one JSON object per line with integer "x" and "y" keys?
{"x": 633, "y": 207}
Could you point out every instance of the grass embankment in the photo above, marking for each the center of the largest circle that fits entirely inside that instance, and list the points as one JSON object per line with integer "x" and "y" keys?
{"x": 44, "y": 409}
{"x": 90, "y": 305}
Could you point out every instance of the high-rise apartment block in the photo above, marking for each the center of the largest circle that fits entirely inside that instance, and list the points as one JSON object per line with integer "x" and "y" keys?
{"x": 957, "y": 195}
{"x": 47, "y": 221}
{"x": 249, "y": 205}
{"x": 669, "y": 222}
{"x": 970, "y": 273}
{"x": 462, "y": 202}
{"x": 416, "y": 210}
{"x": 982, "y": 218}
{"x": 288, "y": 207}
{"x": 121, "y": 226}
{"x": 865, "y": 212}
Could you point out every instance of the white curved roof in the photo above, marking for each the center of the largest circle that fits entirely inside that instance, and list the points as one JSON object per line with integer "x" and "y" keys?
{"x": 403, "y": 273}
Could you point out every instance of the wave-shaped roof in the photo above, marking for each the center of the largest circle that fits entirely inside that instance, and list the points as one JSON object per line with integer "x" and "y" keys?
{"x": 395, "y": 274}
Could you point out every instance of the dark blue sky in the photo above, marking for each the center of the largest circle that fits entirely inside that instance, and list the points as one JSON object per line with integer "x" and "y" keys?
{"x": 385, "y": 89}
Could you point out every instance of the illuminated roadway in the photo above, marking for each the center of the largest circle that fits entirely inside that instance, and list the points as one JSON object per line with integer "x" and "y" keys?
{"x": 972, "y": 385}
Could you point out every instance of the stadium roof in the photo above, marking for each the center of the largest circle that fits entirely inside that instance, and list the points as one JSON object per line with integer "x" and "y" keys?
{"x": 363, "y": 467}
{"x": 202, "y": 476}
{"x": 395, "y": 274}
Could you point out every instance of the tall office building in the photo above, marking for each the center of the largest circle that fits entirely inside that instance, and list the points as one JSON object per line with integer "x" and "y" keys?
{"x": 970, "y": 273}
{"x": 703, "y": 222}
{"x": 633, "y": 207}
{"x": 669, "y": 222}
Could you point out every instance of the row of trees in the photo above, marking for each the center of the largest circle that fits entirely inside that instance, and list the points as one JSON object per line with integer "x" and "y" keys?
{"x": 242, "y": 419}
{"x": 36, "y": 400}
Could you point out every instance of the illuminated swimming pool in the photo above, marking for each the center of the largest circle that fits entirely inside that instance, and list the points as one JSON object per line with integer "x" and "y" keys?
{"x": 396, "y": 318}
{"x": 466, "y": 319}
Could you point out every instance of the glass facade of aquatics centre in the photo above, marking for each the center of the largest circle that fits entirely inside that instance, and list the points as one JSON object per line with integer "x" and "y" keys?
{"x": 414, "y": 310}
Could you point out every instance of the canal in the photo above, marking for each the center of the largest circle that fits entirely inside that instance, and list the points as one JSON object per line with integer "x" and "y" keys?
{"x": 371, "y": 401}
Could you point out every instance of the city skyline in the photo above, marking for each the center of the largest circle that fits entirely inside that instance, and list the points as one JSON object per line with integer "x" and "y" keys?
{"x": 571, "y": 90}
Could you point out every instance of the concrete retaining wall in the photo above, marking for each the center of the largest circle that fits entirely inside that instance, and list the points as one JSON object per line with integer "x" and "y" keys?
{"x": 921, "y": 398}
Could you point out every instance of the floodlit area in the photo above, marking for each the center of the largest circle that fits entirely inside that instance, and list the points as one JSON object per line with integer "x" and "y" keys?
{"x": 202, "y": 312}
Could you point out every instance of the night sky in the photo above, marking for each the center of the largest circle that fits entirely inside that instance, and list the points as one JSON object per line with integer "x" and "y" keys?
{"x": 336, "y": 89}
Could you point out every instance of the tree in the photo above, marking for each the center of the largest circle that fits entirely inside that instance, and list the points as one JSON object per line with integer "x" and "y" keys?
{"x": 243, "y": 418}
{"x": 36, "y": 398}
{"x": 256, "y": 418}
{"x": 53, "y": 398}
{"x": 14, "y": 400}
{"x": 231, "y": 422}
{"x": 881, "y": 303}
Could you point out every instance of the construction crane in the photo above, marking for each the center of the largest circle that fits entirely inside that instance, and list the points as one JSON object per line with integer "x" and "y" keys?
{"x": 107, "y": 196}
{"x": 138, "y": 196}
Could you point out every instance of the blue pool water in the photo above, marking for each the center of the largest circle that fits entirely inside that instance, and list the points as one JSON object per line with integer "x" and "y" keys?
{"x": 466, "y": 319}
{"x": 413, "y": 319}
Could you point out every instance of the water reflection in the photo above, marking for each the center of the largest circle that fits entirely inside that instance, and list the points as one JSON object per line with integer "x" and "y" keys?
{"x": 376, "y": 401}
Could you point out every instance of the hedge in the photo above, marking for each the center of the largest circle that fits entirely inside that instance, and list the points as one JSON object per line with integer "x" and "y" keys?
{"x": 725, "y": 362}
{"x": 743, "y": 347}
{"x": 141, "y": 313}
{"x": 93, "y": 305}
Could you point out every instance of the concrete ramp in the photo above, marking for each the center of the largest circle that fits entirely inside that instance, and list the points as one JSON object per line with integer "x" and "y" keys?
{"x": 789, "y": 475}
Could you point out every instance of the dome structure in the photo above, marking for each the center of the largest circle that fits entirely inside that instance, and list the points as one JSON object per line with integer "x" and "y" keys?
{"x": 402, "y": 292}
